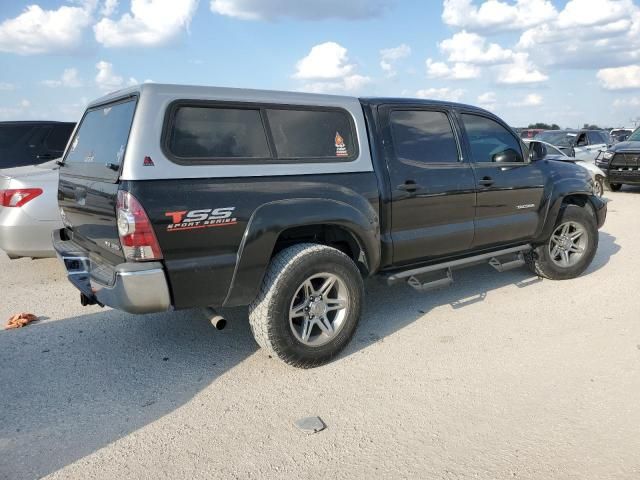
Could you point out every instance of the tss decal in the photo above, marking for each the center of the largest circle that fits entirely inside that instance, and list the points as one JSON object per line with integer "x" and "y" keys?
{"x": 204, "y": 218}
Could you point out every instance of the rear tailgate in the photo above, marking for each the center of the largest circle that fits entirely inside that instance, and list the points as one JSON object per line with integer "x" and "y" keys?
{"x": 88, "y": 186}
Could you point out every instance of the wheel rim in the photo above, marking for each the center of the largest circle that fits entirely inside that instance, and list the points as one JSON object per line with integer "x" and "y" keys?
{"x": 599, "y": 188}
{"x": 318, "y": 309}
{"x": 568, "y": 244}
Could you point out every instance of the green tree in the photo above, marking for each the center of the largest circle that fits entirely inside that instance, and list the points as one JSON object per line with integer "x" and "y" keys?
{"x": 544, "y": 126}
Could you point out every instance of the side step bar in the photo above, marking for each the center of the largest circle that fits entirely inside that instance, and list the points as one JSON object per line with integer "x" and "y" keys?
{"x": 493, "y": 257}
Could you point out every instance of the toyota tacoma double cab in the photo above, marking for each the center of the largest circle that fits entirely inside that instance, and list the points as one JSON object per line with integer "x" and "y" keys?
{"x": 177, "y": 197}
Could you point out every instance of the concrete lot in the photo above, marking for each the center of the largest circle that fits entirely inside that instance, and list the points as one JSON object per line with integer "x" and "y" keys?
{"x": 500, "y": 376}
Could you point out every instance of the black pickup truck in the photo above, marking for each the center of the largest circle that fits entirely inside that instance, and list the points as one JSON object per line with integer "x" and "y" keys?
{"x": 177, "y": 197}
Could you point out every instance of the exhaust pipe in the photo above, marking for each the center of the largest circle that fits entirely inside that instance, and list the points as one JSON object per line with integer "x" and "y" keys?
{"x": 217, "y": 320}
{"x": 85, "y": 301}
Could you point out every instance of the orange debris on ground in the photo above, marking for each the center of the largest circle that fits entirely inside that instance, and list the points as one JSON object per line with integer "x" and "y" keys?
{"x": 20, "y": 320}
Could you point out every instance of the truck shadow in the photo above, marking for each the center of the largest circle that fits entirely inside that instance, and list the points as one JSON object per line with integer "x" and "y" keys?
{"x": 73, "y": 386}
{"x": 391, "y": 308}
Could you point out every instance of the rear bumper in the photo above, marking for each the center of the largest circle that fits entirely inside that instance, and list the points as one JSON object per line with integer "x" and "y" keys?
{"x": 130, "y": 287}
{"x": 23, "y": 236}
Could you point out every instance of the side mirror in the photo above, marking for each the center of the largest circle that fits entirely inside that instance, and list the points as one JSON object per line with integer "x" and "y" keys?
{"x": 534, "y": 156}
{"x": 507, "y": 156}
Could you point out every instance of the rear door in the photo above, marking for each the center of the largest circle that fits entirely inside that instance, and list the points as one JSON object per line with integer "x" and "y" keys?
{"x": 510, "y": 188}
{"x": 88, "y": 178}
{"x": 432, "y": 188}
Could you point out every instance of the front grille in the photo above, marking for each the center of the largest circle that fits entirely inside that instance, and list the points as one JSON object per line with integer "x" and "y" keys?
{"x": 626, "y": 161}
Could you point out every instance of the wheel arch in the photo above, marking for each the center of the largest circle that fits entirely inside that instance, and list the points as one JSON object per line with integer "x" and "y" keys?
{"x": 351, "y": 228}
{"x": 578, "y": 198}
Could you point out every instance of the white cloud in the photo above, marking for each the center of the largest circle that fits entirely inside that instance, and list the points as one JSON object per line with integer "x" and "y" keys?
{"x": 488, "y": 100}
{"x": 327, "y": 60}
{"x": 348, "y": 84}
{"x": 7, "y": 87}
{"x": 37, "y": 31}
{"x": 530, "y": 100}
{"x": 328, "y": 65}
{"x": 17, "y": 112}
{"x": 495, "y": 15}
{"x": 305, "y": 10}
{"x": 587, "y": 34}
{"x": 471, "y": 48}
{"x": 107, "y": 80}
{"x": 621, "y": 78}
{"x": 633, "y": 102}
{"x": 389, "y": 56}
{"x": 587, "y": 13}
{"x": 447, "y": 94}
{"x": 459, "y": 71}
{"x": 150, "y": 23}
{"x": 521, "y": 72}
{"x": 487, "y": 97}
{"x": 69, "y": 78}
{"x": 109, "y": 8}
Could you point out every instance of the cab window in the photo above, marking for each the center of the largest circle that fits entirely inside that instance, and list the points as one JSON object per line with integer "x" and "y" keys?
{"x": 490, "y": 142}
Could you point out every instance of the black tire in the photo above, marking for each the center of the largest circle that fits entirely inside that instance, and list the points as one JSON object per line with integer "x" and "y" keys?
{"x": 269, "y": 312}
{"x": 540, "y": 260}
{"x": 614, "y": 187}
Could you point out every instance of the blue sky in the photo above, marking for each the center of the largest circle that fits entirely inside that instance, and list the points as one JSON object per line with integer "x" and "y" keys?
{"x": 567, "y": 62}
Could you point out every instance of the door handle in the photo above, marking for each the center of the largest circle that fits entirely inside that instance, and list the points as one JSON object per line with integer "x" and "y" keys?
{"x": 486, "y": 181}
{"x": 409, "y": 186}
{"x": 44, "y": 156}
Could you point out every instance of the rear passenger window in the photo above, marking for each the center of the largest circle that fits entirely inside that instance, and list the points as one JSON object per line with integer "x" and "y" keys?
{"x": 58, "y": 137}
{"x": 490, "y": 141}
{"x": 218, "y": 133}
{"x": 423, "y": 136}
{"x": 311, "y": 134}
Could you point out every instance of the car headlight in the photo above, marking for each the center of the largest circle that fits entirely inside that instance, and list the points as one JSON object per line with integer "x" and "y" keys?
{"x": 607, "y": 155}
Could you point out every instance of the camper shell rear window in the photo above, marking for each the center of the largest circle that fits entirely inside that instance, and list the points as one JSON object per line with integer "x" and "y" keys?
{"x": 98, "y": 146}
{"x": 205, "y": 132}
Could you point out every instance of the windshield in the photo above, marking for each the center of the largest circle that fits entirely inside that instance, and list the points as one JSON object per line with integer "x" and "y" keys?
{"x": 558, "y": 138}
{"x": 97, "y": 149}
{"x": 635, "y": 136}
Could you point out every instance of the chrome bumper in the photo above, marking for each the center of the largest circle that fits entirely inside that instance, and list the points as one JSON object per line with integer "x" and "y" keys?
{"x": 130, "y": 287}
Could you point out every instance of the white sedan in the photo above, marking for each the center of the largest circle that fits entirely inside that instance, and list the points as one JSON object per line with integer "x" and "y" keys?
{"x": 543, "y": 150}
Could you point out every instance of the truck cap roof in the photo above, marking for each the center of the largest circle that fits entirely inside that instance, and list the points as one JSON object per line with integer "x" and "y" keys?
{"x": 282, "y": 96}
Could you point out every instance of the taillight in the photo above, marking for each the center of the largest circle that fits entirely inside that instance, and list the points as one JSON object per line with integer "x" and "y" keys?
{"x": 137, "y": 237}
{"x": 18, "y": 197}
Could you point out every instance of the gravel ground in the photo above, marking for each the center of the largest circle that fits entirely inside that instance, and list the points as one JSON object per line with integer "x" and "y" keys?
{"x": 500, "y": 376}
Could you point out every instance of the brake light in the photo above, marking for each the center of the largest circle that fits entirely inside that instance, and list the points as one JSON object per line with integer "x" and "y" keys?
{"x": 137, "y": 237}
{"x": 18, "y": 197}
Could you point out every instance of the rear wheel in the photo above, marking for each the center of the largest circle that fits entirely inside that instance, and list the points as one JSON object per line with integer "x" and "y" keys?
{"x": 570, "y": 248}
{"x": 308, "y": 306}
{"x": 614, "y": 187}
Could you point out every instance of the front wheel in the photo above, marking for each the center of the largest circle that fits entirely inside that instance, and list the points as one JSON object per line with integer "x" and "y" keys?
{"x": 308, "y": 306}
{"x": 615, "y": 187}
{"x": 570, "y": 248}
{"x": 598, "y": 186}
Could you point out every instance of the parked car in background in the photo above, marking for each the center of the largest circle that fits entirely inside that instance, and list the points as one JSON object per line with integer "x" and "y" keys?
{"x": 621, "y": 162}
{"x": 588, "y": 143}
{"x": 620, "y": 134}
{"x": 529, "y": 132}
{"x": 28, "y": 186}
{"x": 539, "y": 150}
{"x": 561, "y": 139}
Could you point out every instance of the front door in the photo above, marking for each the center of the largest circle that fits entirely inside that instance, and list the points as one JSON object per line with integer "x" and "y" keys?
{"x": 432, "y": 189}
{"x": 510, "y": 187}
